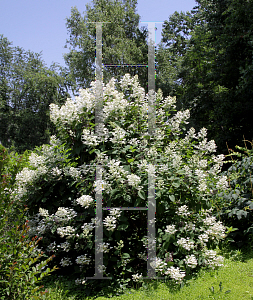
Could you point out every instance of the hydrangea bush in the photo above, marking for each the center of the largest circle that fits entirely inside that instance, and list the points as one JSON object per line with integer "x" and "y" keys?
{"x": 59, "y": 187}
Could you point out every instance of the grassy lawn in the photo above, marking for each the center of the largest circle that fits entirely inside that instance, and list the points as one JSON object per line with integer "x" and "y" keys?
{"x": 233, "y": 281}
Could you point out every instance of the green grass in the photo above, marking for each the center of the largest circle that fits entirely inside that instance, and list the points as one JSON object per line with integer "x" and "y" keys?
{"x": 233, "y": 281}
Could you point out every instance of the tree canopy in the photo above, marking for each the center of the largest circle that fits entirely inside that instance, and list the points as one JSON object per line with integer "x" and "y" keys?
{"x": 123, "y": 42}
{"x": 210, "y": 70}
{"x": 27, "y": 87}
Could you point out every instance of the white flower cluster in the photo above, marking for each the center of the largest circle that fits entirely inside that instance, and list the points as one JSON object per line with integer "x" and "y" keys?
{"x": 41, "y": 170}
{"x": 52, "y": 246}
{"x": 133, "y": 180}
{"x": 80, "y": 281}
{"x": 176, "y": 160}
{"x": 152, "y": 152}
{"x": 41, "y": 227}
{"x": 183, "y": 211}
{"x": 64, "y": 214}
{"x": 209, "y": 220}
{"x": 169, "y": 102}
{"x": 54, "y": 141}
{"x": 118, "y": 136}
{"x": 89, "y": 137}
{"x": 217, "y": 231}
{"x": 43, "y": 212}
{"x": 134, "y": 142}
{"x": 137, "y": 277}
{"x": 186, "y": 243}
{"x": 66, "y": 262}
{"x": 191, "y": 261}
{"x": 103, "y": 247}
{"x": 115, "y": 212}
{"x": 85, "y": 201}
{"x": 110, "y": 223}
{"x": 206, "y": 146}
{"x": 190, "y": 227}
{"x": 87, "y": 227}
{"x": 36, "y": 160}
{"x": 175, "y": 273}
{"x": 202, "y": 133}
{"x": 26, "y": 176}
{"x": 171, "y": 229}
{"x": 203, "y": 238}
{"x": 212, "y": 260}
{"x": 159, "y": 265}
{"x": 222, "y": 184}
{"x": 118, "y": 103}
{"x": 203, "y": 163}
{"x": 74, "y": 173}
{"x": 99, "y": 185}
{"x": 201, "y": 177}
{"x": 116, "y": 170}
{"x": 65, "y": 246}
{"x": 178, "y": 119}
{"x": 83, "y": 260}
{"x": 65, "y": 231}
{"x": 67, "y": 114}
{"x": 56, "y": 172}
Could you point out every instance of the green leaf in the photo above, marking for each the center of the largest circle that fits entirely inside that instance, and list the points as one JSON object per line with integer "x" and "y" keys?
{"x": 130, "y": 270}
{"x": 158, "y": 194}
{"x": 125, "y": 255}
{"x": 122, "y": 227}
{"x": 141, "y": 194}
{"x": 172, "y": 198}
{"x": 91, "y": 151}
{"x": 176, "y": 184}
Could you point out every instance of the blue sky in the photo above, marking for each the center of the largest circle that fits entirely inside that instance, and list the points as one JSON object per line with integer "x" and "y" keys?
{"x": 40, "y": 25}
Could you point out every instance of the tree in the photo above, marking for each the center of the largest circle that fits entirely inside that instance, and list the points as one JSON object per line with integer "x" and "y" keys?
{"x": 176, "y": 35}
{"x": 123, "y": 42}
{"x": 27, "y": 89}
{"x": 215, "y": 68}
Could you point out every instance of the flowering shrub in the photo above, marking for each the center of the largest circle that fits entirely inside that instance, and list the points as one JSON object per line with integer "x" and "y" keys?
{"x": 18, "y": 274}
{"x": 238, "y": 199}
{"x": 59, "y": 187}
